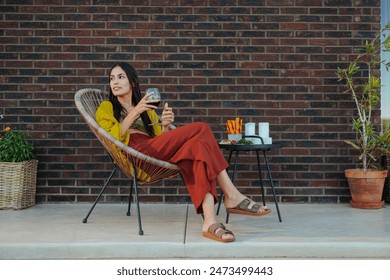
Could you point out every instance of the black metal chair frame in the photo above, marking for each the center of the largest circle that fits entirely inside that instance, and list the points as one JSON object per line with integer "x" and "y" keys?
{"x": 87, "y": 100}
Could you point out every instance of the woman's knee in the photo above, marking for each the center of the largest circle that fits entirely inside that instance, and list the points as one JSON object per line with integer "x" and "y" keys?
{"x": 202, "y": 126}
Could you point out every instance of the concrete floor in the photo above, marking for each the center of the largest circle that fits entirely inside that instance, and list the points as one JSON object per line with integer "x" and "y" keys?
{"x": 313, "y": 231}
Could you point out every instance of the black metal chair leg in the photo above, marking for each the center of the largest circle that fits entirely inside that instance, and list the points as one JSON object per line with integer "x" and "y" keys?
{"x": 100, "y": 194}
{"x": 135, "y": 182}
{"x": 140, "y": 231}
{"x": 130, "y": 199}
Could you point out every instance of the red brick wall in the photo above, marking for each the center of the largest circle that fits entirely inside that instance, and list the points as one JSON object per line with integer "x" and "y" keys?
{"x": 260, "y": 60}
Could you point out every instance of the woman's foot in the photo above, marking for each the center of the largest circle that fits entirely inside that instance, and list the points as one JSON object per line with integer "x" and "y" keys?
{"x": 218, "y": 232}
{"x": 244, "y": 206}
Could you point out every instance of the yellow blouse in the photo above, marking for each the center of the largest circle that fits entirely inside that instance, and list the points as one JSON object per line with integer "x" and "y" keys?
{"x": 105, "y": 118}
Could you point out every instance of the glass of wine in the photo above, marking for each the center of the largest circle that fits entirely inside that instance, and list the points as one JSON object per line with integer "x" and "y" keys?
{"x": 156, "y": 97}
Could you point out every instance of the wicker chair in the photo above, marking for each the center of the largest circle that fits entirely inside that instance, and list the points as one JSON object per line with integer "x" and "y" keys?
{"x": 123, "y": 157}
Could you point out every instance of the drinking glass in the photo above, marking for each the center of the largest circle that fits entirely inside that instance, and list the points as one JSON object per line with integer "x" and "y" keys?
{"x": 156, "y": 97}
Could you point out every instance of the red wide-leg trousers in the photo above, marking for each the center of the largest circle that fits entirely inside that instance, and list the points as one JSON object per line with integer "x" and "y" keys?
{"x": 195, "y": 150}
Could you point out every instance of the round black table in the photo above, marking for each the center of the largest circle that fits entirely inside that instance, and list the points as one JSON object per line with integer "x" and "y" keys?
{"x": 264, "y": 148}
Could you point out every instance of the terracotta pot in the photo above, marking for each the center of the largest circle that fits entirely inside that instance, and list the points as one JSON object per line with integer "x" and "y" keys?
{"x": 366, "y": 187}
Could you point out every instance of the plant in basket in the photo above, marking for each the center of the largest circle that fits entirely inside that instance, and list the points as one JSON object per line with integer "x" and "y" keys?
{"x": 14, "y": 146}
{"x": 18, "y": 169}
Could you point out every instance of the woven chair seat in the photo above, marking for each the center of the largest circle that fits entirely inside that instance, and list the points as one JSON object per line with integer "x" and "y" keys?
{"x": 153, "y": 170}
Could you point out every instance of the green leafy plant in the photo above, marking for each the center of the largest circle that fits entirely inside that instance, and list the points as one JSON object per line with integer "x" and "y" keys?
{"x": 362, "y": 80}
{"x": 245, "y": 142}
{"x": 14, "y": 146}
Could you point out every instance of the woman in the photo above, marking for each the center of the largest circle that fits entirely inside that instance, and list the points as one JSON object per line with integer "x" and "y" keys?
{"x": 130, "y": 117}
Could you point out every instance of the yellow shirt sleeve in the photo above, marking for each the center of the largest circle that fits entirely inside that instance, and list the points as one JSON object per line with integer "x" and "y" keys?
{"x": 105, "y": 118}
{"x": 155, "y": 119}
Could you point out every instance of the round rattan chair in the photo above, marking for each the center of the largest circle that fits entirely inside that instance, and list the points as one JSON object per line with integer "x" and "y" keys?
{"x": 128, "y": 160}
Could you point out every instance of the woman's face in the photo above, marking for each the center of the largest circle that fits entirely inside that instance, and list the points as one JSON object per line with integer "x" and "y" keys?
{"x": 119, "y": 83}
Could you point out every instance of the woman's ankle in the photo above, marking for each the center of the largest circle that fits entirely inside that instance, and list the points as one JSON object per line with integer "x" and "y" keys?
{"x": 233, "y": 200}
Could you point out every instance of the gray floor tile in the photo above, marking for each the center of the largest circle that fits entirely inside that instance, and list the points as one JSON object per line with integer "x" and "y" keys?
{"x": 55, "y": 231}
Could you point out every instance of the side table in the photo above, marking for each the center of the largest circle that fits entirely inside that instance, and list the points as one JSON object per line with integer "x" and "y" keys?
{"x": 264, "y": 148}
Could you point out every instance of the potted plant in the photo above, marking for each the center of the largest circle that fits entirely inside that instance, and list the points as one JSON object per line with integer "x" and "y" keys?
{"x": 18, "y": 170}
{"x": 362, "y": 80}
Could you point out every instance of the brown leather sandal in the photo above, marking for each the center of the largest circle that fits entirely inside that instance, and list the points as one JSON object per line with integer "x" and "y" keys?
{"x": 243, "y": 209}
{"x": 216, "y": 231}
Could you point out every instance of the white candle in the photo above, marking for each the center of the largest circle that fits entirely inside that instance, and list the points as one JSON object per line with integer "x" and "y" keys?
{"x": 264, "y": 129}
{"x": 250, "y": 128}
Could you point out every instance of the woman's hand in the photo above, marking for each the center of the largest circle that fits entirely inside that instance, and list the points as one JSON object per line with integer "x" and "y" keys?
{"x": 167, "y": 117}
{"x": 144, "y": 105}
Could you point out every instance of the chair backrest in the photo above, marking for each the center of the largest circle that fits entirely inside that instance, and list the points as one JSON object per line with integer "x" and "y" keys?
{"x": 149, "y": 169}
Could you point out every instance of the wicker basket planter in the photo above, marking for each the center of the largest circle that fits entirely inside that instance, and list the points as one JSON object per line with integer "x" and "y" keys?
{"x": 18, "y": 184}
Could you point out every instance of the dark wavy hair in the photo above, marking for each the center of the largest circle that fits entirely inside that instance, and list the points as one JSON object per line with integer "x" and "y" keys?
{"x": 131, "y": 74}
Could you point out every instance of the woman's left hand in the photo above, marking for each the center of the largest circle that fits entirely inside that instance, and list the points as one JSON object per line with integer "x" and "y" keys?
{"x": 167, "y": 117}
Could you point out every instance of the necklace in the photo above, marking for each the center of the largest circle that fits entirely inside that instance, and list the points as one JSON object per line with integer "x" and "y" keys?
{"x": 125, "y": 105}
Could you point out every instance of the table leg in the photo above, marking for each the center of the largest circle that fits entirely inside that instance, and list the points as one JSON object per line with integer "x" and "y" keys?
{"x": 235, "y": 167}
{"x": 227, "y": 171}
{"x": 233, "y": 179}
{"x": 272, "y": 184}
{"x": 260, "y": 177}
